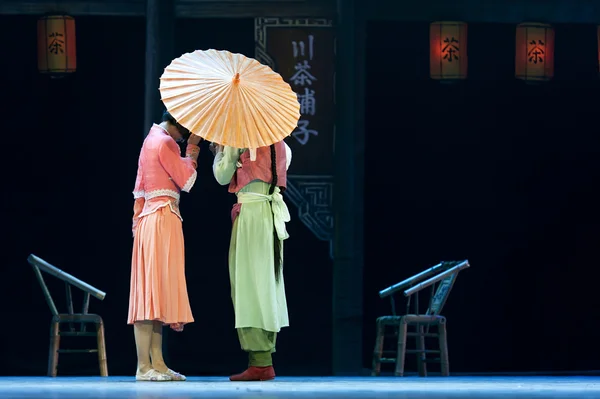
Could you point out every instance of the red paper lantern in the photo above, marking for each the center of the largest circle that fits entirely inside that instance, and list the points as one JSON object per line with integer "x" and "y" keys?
{"x": 448, "y": 51}
{"x": 534, "y": 60}
{"x": 56, "y": 45}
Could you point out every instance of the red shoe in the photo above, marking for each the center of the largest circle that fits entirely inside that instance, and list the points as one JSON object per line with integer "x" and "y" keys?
{"x": 255, "y": 374}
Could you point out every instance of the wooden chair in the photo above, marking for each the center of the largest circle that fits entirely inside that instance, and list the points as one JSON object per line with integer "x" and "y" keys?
{"x": 71, "y": 318}
{"x": 444, "y": 280}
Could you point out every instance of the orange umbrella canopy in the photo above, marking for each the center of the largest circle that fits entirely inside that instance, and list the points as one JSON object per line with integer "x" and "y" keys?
{"x": 229, "y": 99}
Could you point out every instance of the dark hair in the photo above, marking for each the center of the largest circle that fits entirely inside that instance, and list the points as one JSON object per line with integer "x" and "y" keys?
{"x": 278, "y": 264}
{"x": 167, "y": 117}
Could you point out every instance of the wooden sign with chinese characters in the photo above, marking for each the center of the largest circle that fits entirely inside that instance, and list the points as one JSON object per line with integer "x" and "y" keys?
{"x": 534, "y": 60}
{"x": 302, "y": 51}
{"x": 56, "y": 45}
{"x": 448, "y": 50}
{"x": 303, "y": 54}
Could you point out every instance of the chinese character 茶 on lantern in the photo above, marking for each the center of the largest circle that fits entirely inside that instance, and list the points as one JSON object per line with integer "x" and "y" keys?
{"x": 56, "y": 45}
{"x": 448, "y": 50}
{"x": 534, "y": 57}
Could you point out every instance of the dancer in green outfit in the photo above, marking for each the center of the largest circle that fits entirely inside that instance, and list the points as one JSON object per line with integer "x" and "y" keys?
{"x": 256, "y": 249}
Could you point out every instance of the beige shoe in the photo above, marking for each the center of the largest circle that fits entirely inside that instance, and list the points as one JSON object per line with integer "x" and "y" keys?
{"x": 153, "y": 375}
{"x": 175, "y": 376}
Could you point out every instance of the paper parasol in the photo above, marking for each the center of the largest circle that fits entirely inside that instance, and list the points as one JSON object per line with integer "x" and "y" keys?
{"x": 229, "y": 99}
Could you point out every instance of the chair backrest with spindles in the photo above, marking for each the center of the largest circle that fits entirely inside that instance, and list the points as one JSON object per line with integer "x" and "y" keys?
{"x": 438, "y": 300}
{"x": 444, "y": 277}
{"x": 40, "y": 265}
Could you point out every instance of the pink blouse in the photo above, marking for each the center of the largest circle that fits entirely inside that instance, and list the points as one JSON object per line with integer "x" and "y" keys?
{"x": 162, "y": 174}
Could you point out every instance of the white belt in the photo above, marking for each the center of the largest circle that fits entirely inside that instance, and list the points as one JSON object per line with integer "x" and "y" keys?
{"x": 281, "y": 214}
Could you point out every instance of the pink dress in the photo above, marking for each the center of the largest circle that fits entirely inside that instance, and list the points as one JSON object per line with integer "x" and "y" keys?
{"x": 158, "y": 288}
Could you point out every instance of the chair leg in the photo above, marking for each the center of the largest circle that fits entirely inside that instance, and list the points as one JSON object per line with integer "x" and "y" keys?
{"x": 101, "y": 349}
{"x": 421, "y": 363}
{"x": 54, "y": 346}
{"x": 444, "y": 360}
{"x": 401, "y": 352}
{"x": 378, "y": 350}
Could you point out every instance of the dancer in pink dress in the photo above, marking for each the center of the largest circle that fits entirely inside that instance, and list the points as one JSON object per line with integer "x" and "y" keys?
{"x": 158, "y": 293}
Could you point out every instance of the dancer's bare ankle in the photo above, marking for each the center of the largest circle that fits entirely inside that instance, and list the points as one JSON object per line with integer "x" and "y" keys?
{"x": 160, "y": 367}
{"x": 143, "y": 369}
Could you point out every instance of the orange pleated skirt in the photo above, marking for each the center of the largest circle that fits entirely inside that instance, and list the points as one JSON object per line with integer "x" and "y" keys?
{"x": 158, "y": 288}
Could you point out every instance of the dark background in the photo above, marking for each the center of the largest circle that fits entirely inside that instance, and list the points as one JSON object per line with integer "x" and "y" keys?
{"x": 491, "y": 169}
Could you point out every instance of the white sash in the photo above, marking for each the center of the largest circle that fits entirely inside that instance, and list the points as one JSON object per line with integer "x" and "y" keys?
{"x": 281, "y": 214}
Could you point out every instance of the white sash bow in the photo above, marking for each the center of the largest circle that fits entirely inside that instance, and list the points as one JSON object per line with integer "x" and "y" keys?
{"x": 281, "y": 214}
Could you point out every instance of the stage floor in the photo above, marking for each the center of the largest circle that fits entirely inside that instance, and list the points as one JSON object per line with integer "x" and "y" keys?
{"x": 302, "y": 387}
